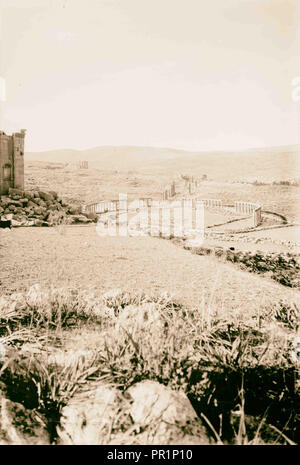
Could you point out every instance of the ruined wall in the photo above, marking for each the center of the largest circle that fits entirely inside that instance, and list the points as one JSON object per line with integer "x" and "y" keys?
{"x": 18, "y": 153}
{"x": 6, "y": 162}
{"x": 11, "y": 161}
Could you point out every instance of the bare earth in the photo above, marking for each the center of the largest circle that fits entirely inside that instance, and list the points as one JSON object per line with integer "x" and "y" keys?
{"x": 76, "y": 256}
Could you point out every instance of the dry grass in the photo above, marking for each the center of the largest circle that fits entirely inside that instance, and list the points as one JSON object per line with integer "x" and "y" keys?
{"x": 237, "y": 371}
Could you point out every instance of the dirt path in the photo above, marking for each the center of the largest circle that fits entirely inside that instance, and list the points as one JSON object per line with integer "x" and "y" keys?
{"x": 78, "y": 257}
{"x": 289, "y": 233}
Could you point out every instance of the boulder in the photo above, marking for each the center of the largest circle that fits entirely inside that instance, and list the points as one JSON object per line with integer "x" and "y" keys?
{"x": 31, "y": 204}
{"x": 12, "y": 191}
{"x": 21, "y": 218}
{"x": 16, "y": 223}
{"x": 39, "y": 222}
{"x": 80, "y": 219}
{"x": 55, "y": 218}
{"x": 54, "y": 194}
{"x": 4, "y": 200}
{"x": 28, "y": 195}
{"x": 58, "y": 205}
{"x": 52, "y": 207}
{"x": 16, "y": 203}
{"x": 38, "y": 201}
{"x": 39, "y": 210}
{"x": 21, "y": 426}
{"x": 46, "y": 196}
{"x": 92, "y": 216}
{"x": 87, "y": 417}
{"x": 74, "y": 209}
{"x": 145, "y": 316}
{"x": 153, "y": 401}
{"x": 166, "y": 413}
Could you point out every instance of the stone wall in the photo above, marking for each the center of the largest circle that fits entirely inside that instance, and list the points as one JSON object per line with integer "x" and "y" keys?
{"x": 11, "y": 161}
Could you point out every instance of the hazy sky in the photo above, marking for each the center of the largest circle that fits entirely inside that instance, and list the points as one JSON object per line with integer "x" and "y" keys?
{"x": 194, "y": 74}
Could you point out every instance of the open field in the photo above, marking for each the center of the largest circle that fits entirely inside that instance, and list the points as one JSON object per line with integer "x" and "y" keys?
{"x": 76, "y": 256}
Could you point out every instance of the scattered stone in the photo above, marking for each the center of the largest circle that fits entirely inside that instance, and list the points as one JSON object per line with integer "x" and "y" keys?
{"x": 74, "y": 210}
{"x": 16, "y": 203}
{"x": 38, "y": 222}
{"x": 54, "y": 194}
{"x": 31, "y": 204}
{"x": 39, "y": 210}
{"x": 80, "y": 219}
{"x": 13, "y": 191}
{"x": 92, "y": 216}
{"x": 46, "y": 196}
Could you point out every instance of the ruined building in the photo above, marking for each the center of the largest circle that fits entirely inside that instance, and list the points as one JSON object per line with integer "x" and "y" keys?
{"x": 11, "y": 161}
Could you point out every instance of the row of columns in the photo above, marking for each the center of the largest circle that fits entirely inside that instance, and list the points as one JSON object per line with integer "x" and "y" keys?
{"x": 169, "y": 191}
{"x": 192, "y": 204}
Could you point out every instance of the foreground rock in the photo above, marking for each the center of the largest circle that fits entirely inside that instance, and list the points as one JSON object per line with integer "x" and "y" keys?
{"x": 21, "y": 426}
{"x": 87, "y": 418}
{"x": 148, "y": 413}
{"x": 165, "y": 413}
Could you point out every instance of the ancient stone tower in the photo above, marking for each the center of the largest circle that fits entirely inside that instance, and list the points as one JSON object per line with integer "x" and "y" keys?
{"x": 11, "y": 161}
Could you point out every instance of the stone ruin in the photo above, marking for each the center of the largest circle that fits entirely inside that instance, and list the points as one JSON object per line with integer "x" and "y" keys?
{"x": 11, "y": 161}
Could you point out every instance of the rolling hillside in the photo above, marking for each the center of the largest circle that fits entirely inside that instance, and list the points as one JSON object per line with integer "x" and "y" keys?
{"x": 276, "y": 163}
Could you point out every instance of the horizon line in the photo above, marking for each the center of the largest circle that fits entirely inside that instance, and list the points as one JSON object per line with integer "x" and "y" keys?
{"x": 245, "y": 149}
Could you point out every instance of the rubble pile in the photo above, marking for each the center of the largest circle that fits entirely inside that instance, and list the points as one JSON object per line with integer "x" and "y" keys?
{"x": 38, "y": 208}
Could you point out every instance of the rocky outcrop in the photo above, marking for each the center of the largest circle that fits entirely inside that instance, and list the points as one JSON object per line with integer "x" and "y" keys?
{"x": 147, "y": 413}
{"x": 87, "y": 418}
{"x": 39, "y": 208}
{"x": 166, "y": 415}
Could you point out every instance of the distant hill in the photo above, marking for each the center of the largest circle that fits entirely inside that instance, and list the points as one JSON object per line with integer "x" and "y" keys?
{"x": 108, "y": 156}
{"x": 274, "y": 162}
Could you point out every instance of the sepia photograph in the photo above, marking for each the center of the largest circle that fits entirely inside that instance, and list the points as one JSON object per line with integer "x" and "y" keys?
{"x": 149, "y": 225}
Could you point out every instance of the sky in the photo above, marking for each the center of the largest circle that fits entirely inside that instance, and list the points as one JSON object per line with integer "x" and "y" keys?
{"x": 190, "y": 74}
